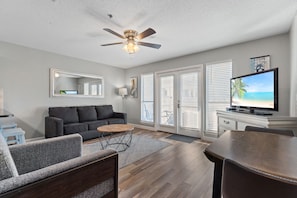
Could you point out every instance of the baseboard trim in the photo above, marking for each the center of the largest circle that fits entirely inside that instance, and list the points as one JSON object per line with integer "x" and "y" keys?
{"x": 151, "y": 128}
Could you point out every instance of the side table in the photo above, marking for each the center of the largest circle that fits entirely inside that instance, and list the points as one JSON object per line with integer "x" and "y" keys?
{"x": 9, "y": 129}
{"x": 17, "y": 134}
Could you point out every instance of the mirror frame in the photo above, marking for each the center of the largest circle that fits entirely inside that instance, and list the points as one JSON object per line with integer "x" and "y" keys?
{"x": 52, "y": 84}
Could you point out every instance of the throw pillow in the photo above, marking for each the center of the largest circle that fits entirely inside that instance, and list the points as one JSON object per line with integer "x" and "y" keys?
{"x": 87, "y": 113}
{"x": 104, "y": 111}
{"x": 67, "y": 114}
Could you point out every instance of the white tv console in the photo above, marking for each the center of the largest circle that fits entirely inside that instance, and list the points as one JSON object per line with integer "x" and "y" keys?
{"x": 229, "y": 120}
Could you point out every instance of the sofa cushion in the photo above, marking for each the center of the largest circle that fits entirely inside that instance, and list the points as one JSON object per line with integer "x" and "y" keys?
{"x": 104, "y": 111}
{"x": 87, "y": 113}
{"x": 67, "y": 114}
{"x": 95, "y": 124}
{"x": 115, "y": 121}
{"x": 7, "y": 165}
{"x": 75, "y": 128}
{"x": 87, "y": 135}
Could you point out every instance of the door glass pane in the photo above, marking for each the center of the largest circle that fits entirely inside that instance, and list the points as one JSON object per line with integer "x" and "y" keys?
{"x": 189, "y": 110}
{"x": 167, "y": 99}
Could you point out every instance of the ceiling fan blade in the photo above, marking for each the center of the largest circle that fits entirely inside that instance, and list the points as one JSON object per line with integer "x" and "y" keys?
{"x": 112, "y": 44}
{"x": 156, "y": 46}
{"x": 146, "y": 33}
{"x": 113, "y": 32}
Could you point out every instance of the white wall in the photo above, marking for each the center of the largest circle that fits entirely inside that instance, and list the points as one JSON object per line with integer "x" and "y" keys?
{"x": 1, "y": 98}
{"x": 24, "y": 77}
{"x": 293, "y": 91}
{"x": 278, "y": 47}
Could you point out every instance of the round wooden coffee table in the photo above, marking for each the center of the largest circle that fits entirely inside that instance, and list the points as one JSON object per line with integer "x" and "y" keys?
{"x": 116, "y": 136}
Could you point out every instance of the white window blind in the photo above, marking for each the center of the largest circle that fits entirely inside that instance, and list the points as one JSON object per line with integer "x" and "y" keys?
{"x": 217, "y": 92}
{"x": 147, "y": 98}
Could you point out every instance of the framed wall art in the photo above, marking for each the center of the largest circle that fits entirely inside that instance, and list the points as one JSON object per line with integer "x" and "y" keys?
{"x": 260, "y": 63}
{"x": 133, "y": 87}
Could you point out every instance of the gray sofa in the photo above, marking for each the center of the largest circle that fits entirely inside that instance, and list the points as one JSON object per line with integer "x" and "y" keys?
{"x": 40, "y": 169}
{"x": 83, "y": 120}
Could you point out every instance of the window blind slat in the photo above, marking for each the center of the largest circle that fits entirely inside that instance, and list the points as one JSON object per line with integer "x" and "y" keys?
{"x": 217, "y": 91}
{"x": 147, "y": 98}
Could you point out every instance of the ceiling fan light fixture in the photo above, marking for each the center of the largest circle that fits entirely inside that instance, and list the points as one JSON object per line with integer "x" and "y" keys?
{"x": 131, "y": 47}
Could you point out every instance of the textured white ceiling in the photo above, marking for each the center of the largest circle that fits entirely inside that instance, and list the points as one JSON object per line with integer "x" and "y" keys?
{"x": 74, "y": 27}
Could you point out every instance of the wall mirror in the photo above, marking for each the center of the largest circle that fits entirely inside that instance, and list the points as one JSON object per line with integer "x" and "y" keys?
{"x": 63, "y": 83}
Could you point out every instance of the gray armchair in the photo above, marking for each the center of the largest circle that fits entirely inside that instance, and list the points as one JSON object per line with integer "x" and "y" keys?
{"x": 55, "y": 168}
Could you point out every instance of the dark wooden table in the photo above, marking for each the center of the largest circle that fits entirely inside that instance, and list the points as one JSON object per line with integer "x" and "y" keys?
{"x": 274, "y": 154}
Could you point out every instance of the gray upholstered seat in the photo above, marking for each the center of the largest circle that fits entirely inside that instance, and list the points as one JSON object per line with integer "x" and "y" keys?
{"x": 54, "y": 167}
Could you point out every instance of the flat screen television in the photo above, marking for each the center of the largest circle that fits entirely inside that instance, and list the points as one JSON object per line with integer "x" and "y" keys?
{"x": 255, "y": 91}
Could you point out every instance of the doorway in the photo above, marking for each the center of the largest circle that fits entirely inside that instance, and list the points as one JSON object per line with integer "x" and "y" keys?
{"x": 179, "y": 101}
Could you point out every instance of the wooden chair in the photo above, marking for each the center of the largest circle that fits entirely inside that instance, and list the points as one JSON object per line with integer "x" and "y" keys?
{"x": 240, "y": 181}
{"x": 270, "y": 130}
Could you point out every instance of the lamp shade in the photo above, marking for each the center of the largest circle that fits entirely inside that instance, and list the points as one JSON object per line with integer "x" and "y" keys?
{"x": 123, "y": 91}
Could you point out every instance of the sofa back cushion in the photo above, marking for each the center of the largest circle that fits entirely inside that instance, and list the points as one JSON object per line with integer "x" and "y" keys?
{"x": 104, "y": 111}
{"x": 7, "y": 165}
{"x": 67, "y": 114}
{"x": 87, "y": 113}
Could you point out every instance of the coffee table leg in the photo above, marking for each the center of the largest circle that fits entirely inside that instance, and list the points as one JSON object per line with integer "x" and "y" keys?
{"x": 122, "y": 141}
{"x": 102, "y": 141}
{"x": 129, "y": 137}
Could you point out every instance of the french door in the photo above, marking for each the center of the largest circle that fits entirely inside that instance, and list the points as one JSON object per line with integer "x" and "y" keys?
{"x": 179, "y": 101}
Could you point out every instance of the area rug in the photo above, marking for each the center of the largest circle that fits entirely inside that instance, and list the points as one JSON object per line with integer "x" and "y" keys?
{"x": 182, "y": 138}
{"x": 141, "y": 146}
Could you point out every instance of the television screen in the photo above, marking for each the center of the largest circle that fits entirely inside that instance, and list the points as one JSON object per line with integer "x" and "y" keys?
{"x": 256, "y": 91}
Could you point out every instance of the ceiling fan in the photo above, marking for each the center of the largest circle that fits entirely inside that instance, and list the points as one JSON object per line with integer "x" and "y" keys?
{"x": 133, "y": 39}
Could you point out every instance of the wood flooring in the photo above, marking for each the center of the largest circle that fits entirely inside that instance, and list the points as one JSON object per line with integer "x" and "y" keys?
{"x": 179, "y": 170}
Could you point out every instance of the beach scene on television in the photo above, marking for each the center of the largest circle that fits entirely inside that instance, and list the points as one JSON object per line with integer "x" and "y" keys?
{"x": 253, "y": 91}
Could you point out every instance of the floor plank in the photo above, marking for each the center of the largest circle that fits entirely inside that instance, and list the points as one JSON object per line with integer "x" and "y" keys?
{"x": 179, "y": 170}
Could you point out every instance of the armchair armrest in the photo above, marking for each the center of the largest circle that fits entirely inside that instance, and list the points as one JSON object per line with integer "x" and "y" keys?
{"x": 95, "y": 173}
{"x": 120, "y": 115}
{"x": 42, "y": 153}
{"x": 53, "y": 127}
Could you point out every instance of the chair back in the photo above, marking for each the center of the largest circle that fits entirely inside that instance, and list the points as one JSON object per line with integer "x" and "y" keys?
{"x": 287, "y": 132}
{"x": 240, "y": 181}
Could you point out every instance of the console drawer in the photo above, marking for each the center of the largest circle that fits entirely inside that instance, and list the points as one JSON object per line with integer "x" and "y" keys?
{"x": 222, "y": 130}
{"x": 227, "y": 123}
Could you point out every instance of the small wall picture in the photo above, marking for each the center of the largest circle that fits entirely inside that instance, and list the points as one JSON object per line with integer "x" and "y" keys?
{"x": 260, "y": 63}
{"x": 133, "y": 87}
